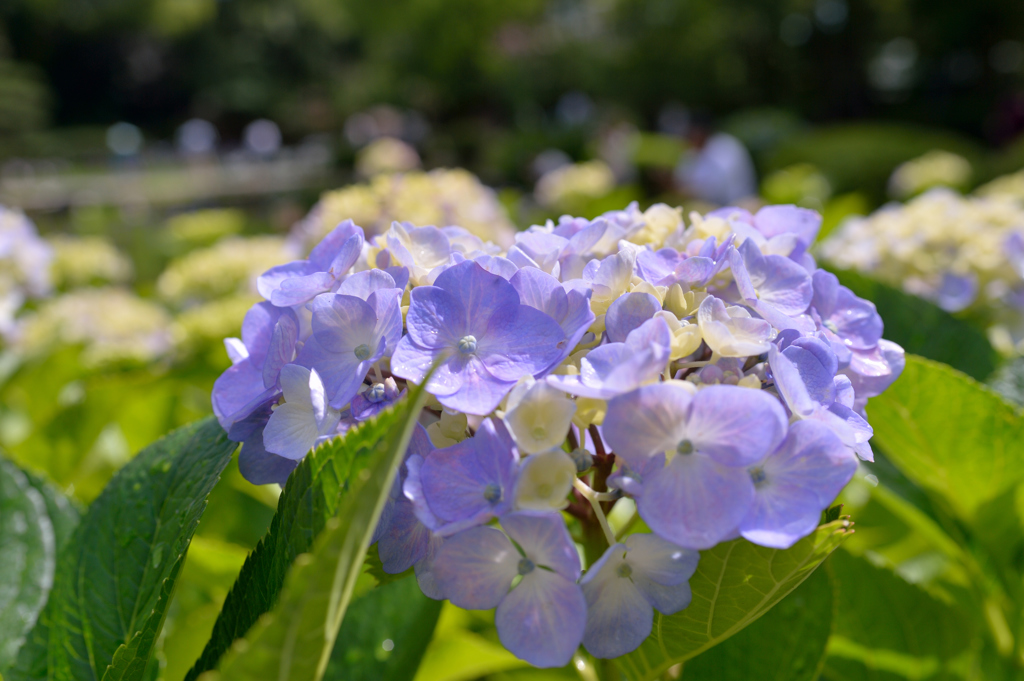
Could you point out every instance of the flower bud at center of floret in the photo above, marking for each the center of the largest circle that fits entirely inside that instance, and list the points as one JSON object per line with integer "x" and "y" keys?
{"x": 467, "y": 345}
{"x": 526, "y": 566}
{"x": 376, "y": 393}
{"x": 624, "y": 570}
{"x": 831, "y": 326}
{"x": 685, "y": 447}
{"x": 757, "y": 475}
{"x": 362, "y": 352}
{"x": 492, "y": 493}
{"x": 539, "y": 432}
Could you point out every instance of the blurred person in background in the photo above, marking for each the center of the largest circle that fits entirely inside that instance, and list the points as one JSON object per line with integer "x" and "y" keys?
{"x": 717, "y": 168}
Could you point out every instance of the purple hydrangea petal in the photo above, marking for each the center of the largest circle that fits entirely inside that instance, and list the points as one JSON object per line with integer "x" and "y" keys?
{"x": 646, "y": 422}
{"x": 503, "y": 267}
{"x": 956, "y": 292}
{"x": 281, "y": 349}
{"x": 541, "y": 291}
{"x": 337, "y": 241}
{"x": 480, "y": 294}
{"x": 774, "y": 220}
{"x": 343, "y": 323}
{"x": 299, "y": 290}
{"x": 472, "y": 480}
{"x": 271, "y": 280}
{"x": 260, "y": 467}
{"x": 795, "y": 483}
{"x": 873, "y": 371}
{"x": 238, "y": 392}
{"x": 694, "y": 501}
{"x": 628, "y": 312}
{"x": 362, "y": 284}
{"x": 479, "y": 392}
{"x": 735, "y": 426}
{"x": 804, "y": 374}
{"x": 405, "y": 541}
{"x": 424, "y": 568}
{"x": 475, "y": 567}
{"x": 436, "y": 318}
{"x": 542, "y": 619}
{"x": 545, "y": 540}
{"x": 619, "y": 616}
{"x": 258, "y": 329}
{"x": 413, "y": 362}
{"x": 537, "y": 250}
{"x": 660, "y": 561}
{"x": 522, "y": 342}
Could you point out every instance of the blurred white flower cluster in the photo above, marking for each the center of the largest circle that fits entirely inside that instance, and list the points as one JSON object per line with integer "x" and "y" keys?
{"x": 963, "y": 253}
{"x": 559, "y": 187}
{"x": 87, "y": 260}
{"x": 441, "y": 197}
{"x": 112, "y": 325}
{"x": 935, "y": 169}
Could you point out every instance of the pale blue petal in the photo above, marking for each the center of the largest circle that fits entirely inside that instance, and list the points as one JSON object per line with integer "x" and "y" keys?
{"x": 336, "y": 241}
{"x": 362, "y": 284}
{"x": 405, "y": 541}
{"x": 521, "y": 342}
{"x": 648, "y": 421}
{"x": 542, "y": 619}
{"x": 299, "y": 290}
{"x": 271, "y": 280}
{"x": 735, "y": 426}
{"x": 695, "y": 502}
{"x": 619, "y": 617}
{"x": 474, "y": 568}
{"x": 436, "y": 317}
{"x": 343, "y": 323}
{"x": 260, "y": 467}
{"x": 544, "y": 538}
{"x": 628, "y": 312}
{"x": 480, "y": 294}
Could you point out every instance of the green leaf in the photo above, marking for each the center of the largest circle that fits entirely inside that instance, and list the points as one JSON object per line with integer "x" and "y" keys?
{"x": 736, "y": 582}
{"x": 63, "y": 512}
{"x": 114, "y": 577}
{"x": 787, "y": 644}
{"x": 347, "y": 478}
{"x": 27, "y": 558}
{"x": 886, "y": 628}
{"x": 949, "y": 434}
{"x": 925, "y": 329}
{"x": 384, "y": 634}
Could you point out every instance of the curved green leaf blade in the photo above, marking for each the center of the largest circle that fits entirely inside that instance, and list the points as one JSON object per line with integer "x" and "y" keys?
{"x": 63, "y": 512}
{"x": 787, "y": 644}
{"x": 27, "y": 558}
{"x": 384, "y": 634}
{"x": 312, "y": 496}
{"x": 949, "y": 434}
{"x": 736, "y": 582}
{"x": 114, "y": 576}
{"x": 296, "y": 638}
{"x": 886, "y": 628}
{"x": 925, "y": 329}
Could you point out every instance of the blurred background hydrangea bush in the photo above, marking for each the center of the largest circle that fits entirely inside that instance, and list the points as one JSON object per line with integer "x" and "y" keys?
{"x": 157, "y": 156}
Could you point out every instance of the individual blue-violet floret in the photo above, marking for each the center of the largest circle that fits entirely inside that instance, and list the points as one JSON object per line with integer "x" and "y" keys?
{"x": 795, "y": 483}
{"x": 269, "y": 337}
{"x": 542, "y": 618}
{"x": 302, "y": 280}
{"x": 701, "y": 490}
{"x": 623, "y": 589}
{"x": 485, "y": 338}
{"x": 352, "y": 330}
{"x": 468, "y": 483}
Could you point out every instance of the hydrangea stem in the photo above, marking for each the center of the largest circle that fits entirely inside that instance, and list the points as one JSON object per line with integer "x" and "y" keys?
{"x": 595, "y": 499}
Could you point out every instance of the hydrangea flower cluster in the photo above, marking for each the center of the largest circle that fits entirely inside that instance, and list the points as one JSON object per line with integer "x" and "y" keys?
{"x": 963, "y": 253}
{"x": 710, "y": 373}
{"x": 24, "y": 265}
{"x": 441, "y": 196}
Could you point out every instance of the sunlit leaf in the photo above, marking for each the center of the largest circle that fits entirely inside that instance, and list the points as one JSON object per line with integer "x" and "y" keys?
{"x": 787, "y": 644}
{"x": 949, "y": 434}
{"x": 886, "y": 628}
{"x": 318, "y": 539}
